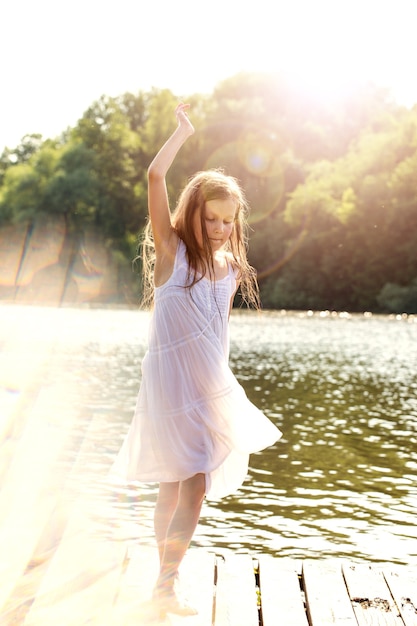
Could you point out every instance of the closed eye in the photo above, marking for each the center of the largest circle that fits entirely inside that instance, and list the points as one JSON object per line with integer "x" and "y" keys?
{"x": 212, "y": 219}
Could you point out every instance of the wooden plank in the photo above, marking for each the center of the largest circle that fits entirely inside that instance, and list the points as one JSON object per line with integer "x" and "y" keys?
{"x": 24, "y": 592}
{"x": 34, "y": 487}
{"x": 21, "y": 382}
{"x": 24, "y": 362}
{"x": 82, "y": 579}
{"x": 281, "y": 597}
{"x": 371, "y": 598}
{"x": 27, "y": 497}
{"x": 327, "y": 599}
{"x": 403, "y": 586}
{"x": 236, "y": 598}
{"x": 133, "y": 604}
{"x": 197, "y": 574}
{"x": 69, "y": 544}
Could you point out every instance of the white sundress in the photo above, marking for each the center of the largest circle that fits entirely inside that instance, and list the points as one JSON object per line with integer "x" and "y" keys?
{"x": 192, "y": 416}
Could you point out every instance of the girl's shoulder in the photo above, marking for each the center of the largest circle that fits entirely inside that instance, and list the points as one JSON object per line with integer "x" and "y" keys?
{"x": 230, "y": 260}
{"x": 233, "y": 264}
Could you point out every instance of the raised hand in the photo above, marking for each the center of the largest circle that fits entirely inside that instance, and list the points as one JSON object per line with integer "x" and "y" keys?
{"x": 183, "y": 119}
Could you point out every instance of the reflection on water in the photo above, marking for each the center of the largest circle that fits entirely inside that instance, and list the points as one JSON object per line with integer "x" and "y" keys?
{"x": 343, "y": 389}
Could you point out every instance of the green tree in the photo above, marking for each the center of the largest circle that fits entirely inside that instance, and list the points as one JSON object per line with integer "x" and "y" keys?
{"x": 361, "y": 212}
{"x": 331, "y": 188}
{"x": 24, "y": 185}
{"x": 73, "y": 189}
{"x": 105, "y": 131}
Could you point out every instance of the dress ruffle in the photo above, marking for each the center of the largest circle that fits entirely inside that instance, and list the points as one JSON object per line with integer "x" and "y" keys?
{"x": 192, "y": 416}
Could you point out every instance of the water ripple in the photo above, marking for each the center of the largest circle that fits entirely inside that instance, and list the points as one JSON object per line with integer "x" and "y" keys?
{"x": 341, "y": 483}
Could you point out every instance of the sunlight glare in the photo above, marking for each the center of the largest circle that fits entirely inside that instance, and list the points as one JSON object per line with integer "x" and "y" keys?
{"x": 328, "y": 50}
{"x": 258, "y": 155}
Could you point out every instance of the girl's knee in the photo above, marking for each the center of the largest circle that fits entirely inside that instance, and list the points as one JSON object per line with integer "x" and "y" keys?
{"x": 168, "y": 493}
{"x": 194, "y": 488}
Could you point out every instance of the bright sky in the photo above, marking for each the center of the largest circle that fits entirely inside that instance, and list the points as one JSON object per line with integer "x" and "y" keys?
{"x": 58, "y": 56}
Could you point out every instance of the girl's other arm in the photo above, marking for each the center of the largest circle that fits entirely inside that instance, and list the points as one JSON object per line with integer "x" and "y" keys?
{"x": 158, "y": 204}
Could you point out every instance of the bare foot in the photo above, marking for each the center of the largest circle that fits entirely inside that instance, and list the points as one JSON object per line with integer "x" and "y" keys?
{"x": 167, "y": 601}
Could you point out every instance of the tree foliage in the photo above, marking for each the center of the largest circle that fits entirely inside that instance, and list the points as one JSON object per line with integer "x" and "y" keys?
{"x": 332, "y": 189}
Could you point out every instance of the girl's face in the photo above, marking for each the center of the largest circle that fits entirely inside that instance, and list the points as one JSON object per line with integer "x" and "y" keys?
{"x": 219, "y": 217}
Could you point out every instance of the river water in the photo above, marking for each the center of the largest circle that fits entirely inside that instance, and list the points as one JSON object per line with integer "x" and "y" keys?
{"x": 342, "y": 482}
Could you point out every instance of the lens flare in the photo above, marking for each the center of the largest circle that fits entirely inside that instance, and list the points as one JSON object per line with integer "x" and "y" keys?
{"x": 43, "y": 248}
{"x": 260, "y": 153}
{"x": 294, "y": 245}
{"x": 90, "y": 267}
{"x": 42, "y": 264}
{"x": 255, "y": 159}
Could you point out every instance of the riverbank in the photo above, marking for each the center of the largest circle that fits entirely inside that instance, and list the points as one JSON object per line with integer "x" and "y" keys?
{"x": 43, "y": 264}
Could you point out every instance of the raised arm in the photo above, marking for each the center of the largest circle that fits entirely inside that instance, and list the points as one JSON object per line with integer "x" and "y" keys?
{"x": 158, "y": 204}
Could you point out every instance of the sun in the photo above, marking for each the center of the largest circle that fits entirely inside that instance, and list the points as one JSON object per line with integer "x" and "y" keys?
{"x": 329, "y": 49}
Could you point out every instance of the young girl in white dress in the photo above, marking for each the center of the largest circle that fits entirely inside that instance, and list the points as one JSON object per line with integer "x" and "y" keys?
{"x": 194, "y": 427}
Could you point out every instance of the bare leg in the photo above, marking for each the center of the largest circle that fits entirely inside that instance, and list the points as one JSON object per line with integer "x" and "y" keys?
{"x": 181, "y": 529}
{"x": 164, "y": 510}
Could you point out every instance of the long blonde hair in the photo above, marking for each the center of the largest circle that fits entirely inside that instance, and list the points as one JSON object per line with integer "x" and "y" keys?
{"x": 204, "y": 186}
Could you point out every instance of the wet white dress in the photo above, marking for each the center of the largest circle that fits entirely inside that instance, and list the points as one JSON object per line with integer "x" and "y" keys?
{"x": 192, "y": 415}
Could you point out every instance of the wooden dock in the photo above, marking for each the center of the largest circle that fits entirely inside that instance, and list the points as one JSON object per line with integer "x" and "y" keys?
{"x": 56, "y": 571}
{"x": 238, "y": 590}
{"x": 92, "y": 582}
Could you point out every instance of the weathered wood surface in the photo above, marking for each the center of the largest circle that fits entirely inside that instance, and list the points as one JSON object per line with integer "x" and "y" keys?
{"x": 282, "y": 599}
{"x": 88, "y": 581}
{"x": 30, "y": 483}
{"x": 236, "y": 589}
{"x": 54, "y": 569}
{"x": 371, "y": 597}
{"x": 327, "y": 599}
{"x": 235, "y": 579}
{"x": 403, "y": 586}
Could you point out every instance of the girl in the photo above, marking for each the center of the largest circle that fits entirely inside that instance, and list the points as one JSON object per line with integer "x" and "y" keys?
{"x": 193, "y": 427}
